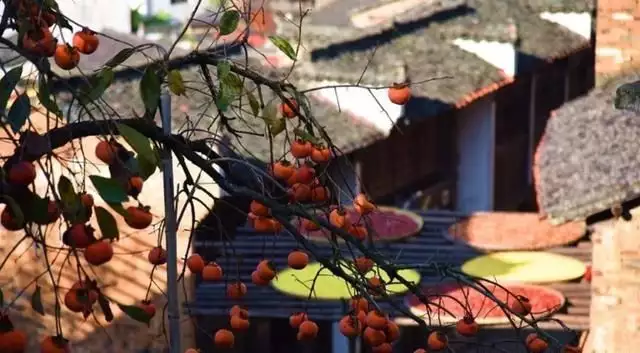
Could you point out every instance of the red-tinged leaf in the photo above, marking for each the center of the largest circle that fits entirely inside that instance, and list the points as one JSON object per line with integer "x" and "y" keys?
{"x": 135, "y": 313}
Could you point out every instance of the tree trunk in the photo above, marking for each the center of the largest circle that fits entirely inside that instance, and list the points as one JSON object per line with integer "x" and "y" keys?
{"x": 615, "y": 303}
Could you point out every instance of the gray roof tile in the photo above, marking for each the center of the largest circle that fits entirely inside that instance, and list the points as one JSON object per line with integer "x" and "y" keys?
{"x": 589, "y": 158}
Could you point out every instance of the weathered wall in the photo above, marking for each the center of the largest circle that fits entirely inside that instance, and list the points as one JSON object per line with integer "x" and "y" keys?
{"x": 125, "y": 278}
{"x": 615, "y": 303}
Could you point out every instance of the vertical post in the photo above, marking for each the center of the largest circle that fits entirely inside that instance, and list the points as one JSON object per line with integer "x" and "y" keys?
{"x": 170, "y": 230}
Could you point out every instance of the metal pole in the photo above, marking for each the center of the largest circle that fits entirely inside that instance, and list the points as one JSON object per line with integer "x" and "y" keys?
{"x": 170, "y": 230}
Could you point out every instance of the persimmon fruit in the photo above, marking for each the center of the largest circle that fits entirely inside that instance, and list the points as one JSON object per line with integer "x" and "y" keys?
{"x": 339, "y": 218}
{"x": 358, "y": 231}
{"x": 236, "y": 290}
{"x": 305, "y": 174}
{"x": 362, "y": 205}
{"x": 66, "y": 57}
{"x": 22, "y": 173}
{"x": 86, "y": 41}
{"x": 258, "y": 209}
{"x": 520, "y": 305}
{"x": 148, "y": 307}
{"x": 300, "y": 192}
{"x": 298, "y": 259}
{"x": 138, "y": 217}
{"x": 320, "y": 154}
{"x": 383, "y": 348}
{"x": 212, "y": 272}
{"x": 467, "y": 326}
{"x": 349, "y": 326}
{"x": 282, "y": 170}
{"x": 300, "y": 149}
{"x": 437, "y": 341}
{"x": 106, "y": 152}
{"x": 309, "y": 225}
{"x": 134, "y": 186}
{"x": 535, "y": 344}
{"x": 54, "y": 344}
{"x": 363, "y": 264}
{"x": 319, "y": 193}
{"x": 376, "y": 320}
{"x": 266, "y": 270}
{"x": 9, "y": 221}
{"x": 12, "y": 340}
{"x": 307, "y": 330}
{"x": 195, "y": 263}
{"x": 157, "y": 256}
{"x": 224, "y": 339}
{"x": 392, "y": 331}
{"x": 237, "y": 310}
{"x": 359, "y": 303}
{"x": 296, "y": 319}
{"x": 99, "y": 253}
{"x": 87, "y": 200}
{"x": 238, "y": 323}
{"x": 80, "y": 236}
{"x": 257, "y": 280}
{"x": 374, "y": 337}
{"x": 376, "y": 285}
{"x": 399, "y": 94}
{"x": 286, "y": 110}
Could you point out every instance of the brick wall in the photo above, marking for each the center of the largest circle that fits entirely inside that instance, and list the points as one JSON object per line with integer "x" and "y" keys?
{"x": 617, "y": 35}
{"x": 615, "y": 303}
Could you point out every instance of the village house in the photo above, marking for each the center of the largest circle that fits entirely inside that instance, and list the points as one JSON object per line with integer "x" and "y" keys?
{"x": 465, "y": 139}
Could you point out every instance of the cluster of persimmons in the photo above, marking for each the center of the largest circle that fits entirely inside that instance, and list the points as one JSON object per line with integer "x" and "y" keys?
{"x": 38, "y": 40}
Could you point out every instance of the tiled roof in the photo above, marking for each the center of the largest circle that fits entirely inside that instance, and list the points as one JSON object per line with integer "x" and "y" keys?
{"x": 560, "y": 5}
{"x": 347, "y": 132}
{"x": 589, "y": 157}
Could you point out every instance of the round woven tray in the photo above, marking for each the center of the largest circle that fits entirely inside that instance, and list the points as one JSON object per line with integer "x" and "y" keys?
{"x": 545, "y": 302}
{"x": 389, "y": 214}
{"x": 498, "y": 231}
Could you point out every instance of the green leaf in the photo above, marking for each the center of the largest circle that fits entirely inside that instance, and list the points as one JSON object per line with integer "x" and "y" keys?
{"x": 135, "y": 313}
{"x": 284, "y": 46}
{"x": 119, "y": 58}
{"x": 176, "y": 83}
{"x": 224, "y": 68}
{"x": 36, "y": 301}
{"x": 108, "y": 225}
{"x": 233, "y": 82}
{"x": 277, "y": 126}
{"x": 229, "y": 22}
{"x": 19, "y": 112}
{"x": 109, "y": 189}
{"x": 100, "y": 83}
{"x": 39, "y": 210}
{"x": 253, "y": 103}
{"x": 7, "y": 85}
{"x": 146, "y": 168}
{"x": 44, "y": 95}
{"x": 67, "y": 193}
{"x": 225, "y": 97}
{"x": 138, "y": 142}
{"x": 118, "y": 208}
{"x": 270, "y": 113}
{"x": 150, "y": 89}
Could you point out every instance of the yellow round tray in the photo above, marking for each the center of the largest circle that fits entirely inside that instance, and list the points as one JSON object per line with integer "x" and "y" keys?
{"x": 525, "y": 267}
{"x": 327, "y": 286}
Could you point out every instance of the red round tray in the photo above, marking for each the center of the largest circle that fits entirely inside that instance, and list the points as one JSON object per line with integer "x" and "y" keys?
{"x": 387, "y": 224}
{"x": 545, "y": 302}
{"x": 498, "y": 231}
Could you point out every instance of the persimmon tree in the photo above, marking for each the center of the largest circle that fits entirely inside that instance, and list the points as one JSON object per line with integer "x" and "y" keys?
{"x": 292, "y": 194}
